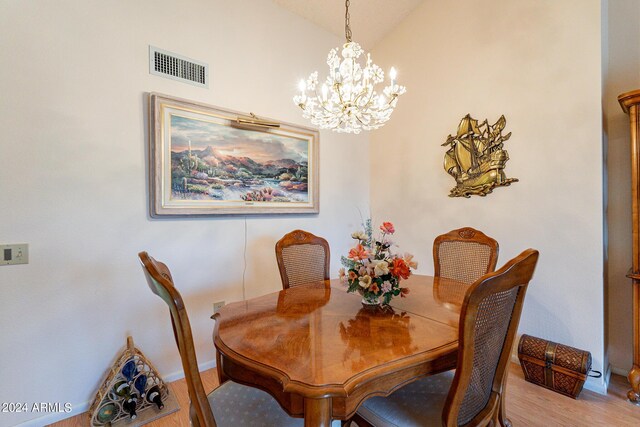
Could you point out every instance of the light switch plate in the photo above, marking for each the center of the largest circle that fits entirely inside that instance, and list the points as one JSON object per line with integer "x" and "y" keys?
{"x": 17, "y": 253}
{"x": 217, "y": 306}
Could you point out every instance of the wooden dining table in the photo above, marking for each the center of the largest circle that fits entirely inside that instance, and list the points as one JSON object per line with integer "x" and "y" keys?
{"x": 320, "y": 352}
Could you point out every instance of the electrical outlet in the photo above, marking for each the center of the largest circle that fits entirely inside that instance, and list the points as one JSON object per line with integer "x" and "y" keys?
{"x": 14, "y": 254}
{"x": 217, "y": 306}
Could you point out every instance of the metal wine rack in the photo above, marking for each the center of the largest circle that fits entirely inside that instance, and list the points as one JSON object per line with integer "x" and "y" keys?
{"x": 107, "y": 407}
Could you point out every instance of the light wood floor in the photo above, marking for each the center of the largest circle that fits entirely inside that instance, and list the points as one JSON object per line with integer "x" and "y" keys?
{"x": 527, "y": 405}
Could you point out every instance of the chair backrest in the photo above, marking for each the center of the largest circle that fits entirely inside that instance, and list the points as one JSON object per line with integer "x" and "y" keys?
{"x": 488, "y": 324}
{"x": 465, "y": 255}
{"x": 161, "y": 284}
{"x": 302, "y": 258}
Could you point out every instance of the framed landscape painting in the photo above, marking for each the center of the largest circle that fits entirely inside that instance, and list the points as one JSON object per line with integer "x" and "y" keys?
{"x": 204, "y": 161}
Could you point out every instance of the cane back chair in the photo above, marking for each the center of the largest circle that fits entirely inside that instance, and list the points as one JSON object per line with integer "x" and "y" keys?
{"x": 233, "y": 404}
{"x": 474, "y": 395}
{"x": 302, "y": 258}
{"x": 464, "y": 255}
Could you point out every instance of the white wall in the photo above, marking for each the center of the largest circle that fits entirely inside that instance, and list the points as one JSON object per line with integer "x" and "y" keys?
{"x": 622, "y": 74}
{"x": 73, "y": 167}
{"x": 73, "y": 177}
{"x": 538, "y": 62}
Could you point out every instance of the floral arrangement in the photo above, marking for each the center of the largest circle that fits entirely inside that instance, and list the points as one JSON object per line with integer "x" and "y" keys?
{"x": 372, "y": 270}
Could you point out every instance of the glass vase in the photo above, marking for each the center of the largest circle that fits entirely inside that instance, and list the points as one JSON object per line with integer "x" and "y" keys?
{"x": 370, "y": 300}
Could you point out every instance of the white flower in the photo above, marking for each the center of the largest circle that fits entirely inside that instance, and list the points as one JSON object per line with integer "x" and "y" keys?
{"x": 312, "y": 81}
{"x": 367, "y": 267}
{"x": 377, "y": 74}
{"x": 360, "y": 235}
{"x": 365, "y": 281}
{"x": 381, "y": 268}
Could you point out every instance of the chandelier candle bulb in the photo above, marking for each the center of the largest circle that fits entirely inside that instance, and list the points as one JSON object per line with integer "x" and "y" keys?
{"x": 393, "y": 74}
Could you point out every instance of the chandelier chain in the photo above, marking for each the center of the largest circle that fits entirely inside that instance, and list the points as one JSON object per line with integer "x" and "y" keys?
{"x": 347, "y": 27}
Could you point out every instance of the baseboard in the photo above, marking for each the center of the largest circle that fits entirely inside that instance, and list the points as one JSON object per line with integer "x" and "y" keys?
{"x": 599, "y": 385}
{"x": 54, "y": 417}
{"x": 79, "y": 408}
{"x": 620, "y": 371}
{"x": 178, "y": 375}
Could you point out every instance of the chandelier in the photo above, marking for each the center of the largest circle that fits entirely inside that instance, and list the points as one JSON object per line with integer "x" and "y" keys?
{"x": 347, "y": 101}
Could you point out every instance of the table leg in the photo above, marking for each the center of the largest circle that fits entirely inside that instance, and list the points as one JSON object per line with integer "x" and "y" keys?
{"x": 317, "y": 412}
{"x": 222, "y": 378}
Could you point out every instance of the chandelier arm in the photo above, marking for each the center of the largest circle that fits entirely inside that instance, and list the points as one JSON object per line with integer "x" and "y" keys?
{"x": 321, "y": 103}
{"x": 361, "y": 122}
{"x": 326, "y": 109}
{"x": 368, "y": 101}
{"x": 339, "y": 92}
{"x": 392, "y": 98}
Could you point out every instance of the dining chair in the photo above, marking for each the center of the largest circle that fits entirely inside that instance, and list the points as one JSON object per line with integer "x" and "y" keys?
{"x": 474, "y": 395}
{"x": 302, "y": 258}
{"x": 465, "y": 255}
{"x": 233, "y": 404}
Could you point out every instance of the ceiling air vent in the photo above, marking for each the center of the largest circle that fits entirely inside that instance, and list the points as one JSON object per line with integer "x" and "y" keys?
{"x": 178, "y": 67}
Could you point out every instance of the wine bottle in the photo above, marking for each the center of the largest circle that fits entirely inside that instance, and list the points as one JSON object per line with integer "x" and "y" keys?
{"x": 129, "y": 370}
{"x": 154, "y": 396}
{"x": 107, "y": 413}
{"x": 121, "y": 388}
{"x": 130, "y": 404}
{"x": 140, "y": 384}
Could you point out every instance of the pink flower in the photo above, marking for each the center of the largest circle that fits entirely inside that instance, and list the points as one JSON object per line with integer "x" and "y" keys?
{"x": 358, "y": 253}
{"x": 408, "y": 258}
{"x": 342, "y": 275}
{"x": 387, "y": 227}
{"x": 386, "y": 287}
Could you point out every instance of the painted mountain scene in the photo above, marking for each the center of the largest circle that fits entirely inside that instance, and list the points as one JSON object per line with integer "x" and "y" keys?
{"x": 211, "y": 161}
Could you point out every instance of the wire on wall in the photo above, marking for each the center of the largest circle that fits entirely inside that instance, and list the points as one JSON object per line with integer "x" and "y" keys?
{"x": 244, "y": 256}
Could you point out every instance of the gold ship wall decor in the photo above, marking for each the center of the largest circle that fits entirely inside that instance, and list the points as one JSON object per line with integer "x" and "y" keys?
{"x": 476, "y": 158}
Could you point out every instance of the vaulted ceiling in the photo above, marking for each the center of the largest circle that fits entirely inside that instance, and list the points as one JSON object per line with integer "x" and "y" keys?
{"x": 371, "y": 20}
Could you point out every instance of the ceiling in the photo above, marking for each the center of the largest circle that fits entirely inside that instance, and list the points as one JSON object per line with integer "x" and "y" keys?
{"x": 370, "y": 20}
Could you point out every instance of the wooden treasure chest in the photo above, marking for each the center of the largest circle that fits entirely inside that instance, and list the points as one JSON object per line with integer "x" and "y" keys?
{"x": 555, "y": 366}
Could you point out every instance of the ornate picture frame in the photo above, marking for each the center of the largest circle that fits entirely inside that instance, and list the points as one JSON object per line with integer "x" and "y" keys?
{"x": 206, "y": 160}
